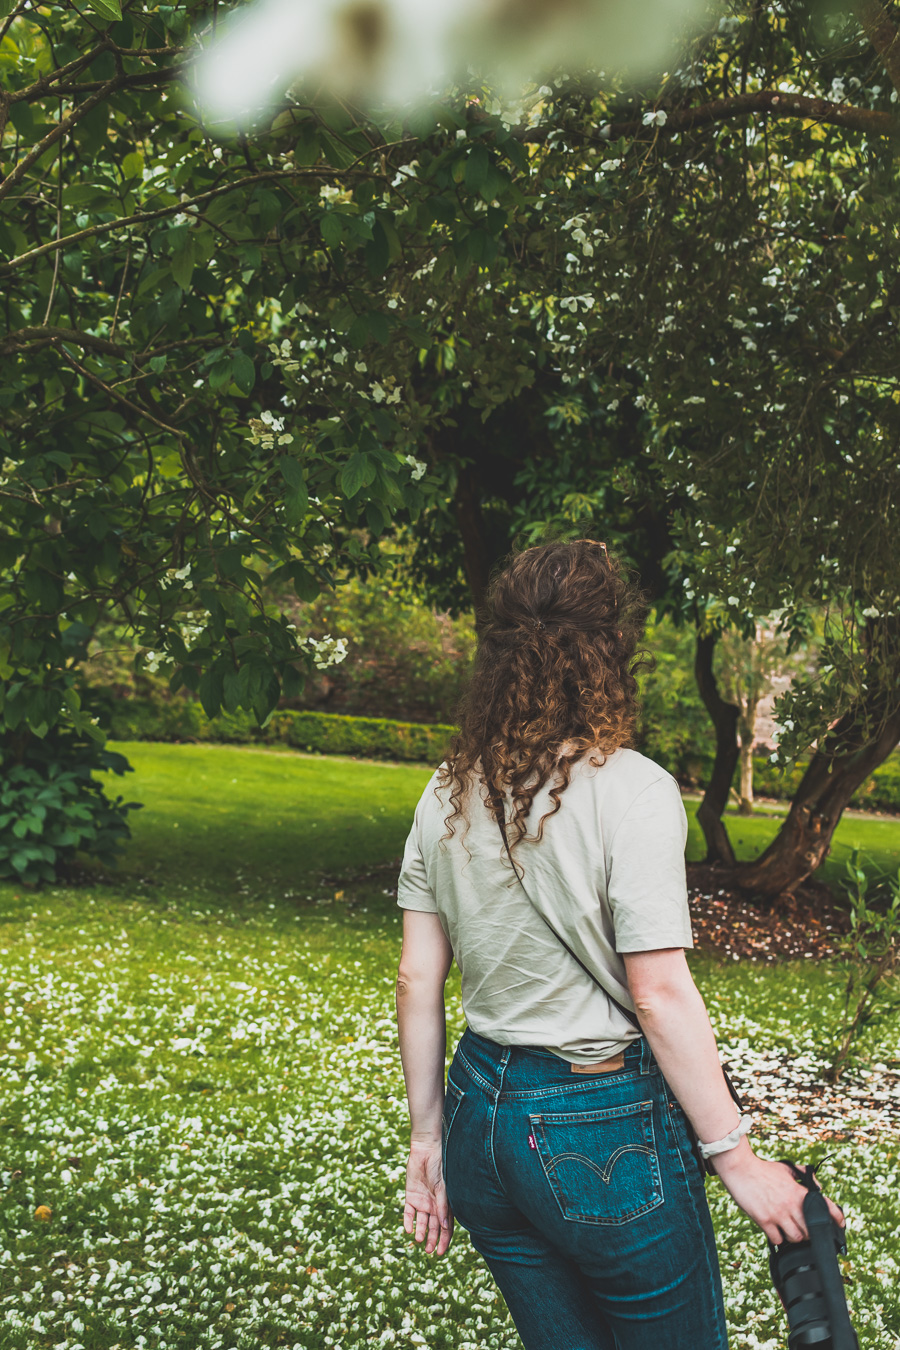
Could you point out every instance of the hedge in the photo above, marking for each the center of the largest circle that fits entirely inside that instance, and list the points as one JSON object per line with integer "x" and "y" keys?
{"x": 323, "y": 733}
{"x": 134, "y": 719}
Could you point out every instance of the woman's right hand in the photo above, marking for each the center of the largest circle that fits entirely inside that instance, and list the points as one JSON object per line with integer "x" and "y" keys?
{"x": 768, "y": 1193}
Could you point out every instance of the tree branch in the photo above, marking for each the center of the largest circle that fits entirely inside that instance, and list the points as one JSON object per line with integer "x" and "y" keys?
{"x": 141, "y": 79}
{"x": 46, "y": 83}
{"x": 145, "y": 217}
{"x": 14, "y": 13}
{"x": 40, "y": 337}
{"x": 773, "y": 102}
{"x": 119, "y": 398}
{"x": 29, "y": 338}
{"x": 59, "y": 129}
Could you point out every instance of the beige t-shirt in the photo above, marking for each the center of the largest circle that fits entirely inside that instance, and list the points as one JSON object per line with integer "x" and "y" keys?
{"x": 608, "y": 875}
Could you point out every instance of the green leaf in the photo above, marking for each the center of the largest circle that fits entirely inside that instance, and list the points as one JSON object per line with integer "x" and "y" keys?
{"x": 110, "y": 10}
{"x": 357, "y": 472}
{"x": 20, "y": 114}
{"x": 359, "y": 330}
{"x": 296, "y": 501}
{"x": 478, "y": 162}
{"x": 211, "y": 691}
{"x": 306, "y": 586}
{"x": 291, "y": 471}
{"x": 395, "y": 247}
{"x": 244, "y": 372}
{"x": 183, "y": 264}
{"x": 133, "y": 166}
{"x": 231, "y": 691}
{"x": 379, "y": 327}
{"x": 332, "y": 229}
{"x": 220, "y": 373}
{"x": 157, "y": 364}
{"x": 377, "y": 252}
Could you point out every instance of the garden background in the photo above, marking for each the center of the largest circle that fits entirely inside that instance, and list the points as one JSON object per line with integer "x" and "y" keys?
{"x": 277, "y": 399}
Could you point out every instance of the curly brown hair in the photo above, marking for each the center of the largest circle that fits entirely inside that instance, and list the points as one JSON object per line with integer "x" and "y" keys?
{"x": 554, "y": 678}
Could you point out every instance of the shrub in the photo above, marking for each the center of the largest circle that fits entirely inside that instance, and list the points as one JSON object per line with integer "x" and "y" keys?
{"x": 675, "y": 728}
{"x": 322, "y": 733}
{"x": 872, "y": 948}
{"x": 52, "y": 807}
{"x": 404, "y": 661}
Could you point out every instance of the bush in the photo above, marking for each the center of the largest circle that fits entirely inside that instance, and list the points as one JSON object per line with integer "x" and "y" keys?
{"x": 322, "y": 733}
{"x": 404, "y": 660}
{"x": 51, "y": 807}
{"x": 675, "y": 728}
{"x": 872, "y": 948}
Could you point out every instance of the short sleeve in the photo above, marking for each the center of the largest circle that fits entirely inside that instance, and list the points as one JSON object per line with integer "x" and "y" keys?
{"x": 413, "y": 890}
{"x": 646, "y": 880}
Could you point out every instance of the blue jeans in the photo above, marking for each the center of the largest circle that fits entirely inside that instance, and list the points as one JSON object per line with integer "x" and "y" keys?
{"x": 582, "y": 1194}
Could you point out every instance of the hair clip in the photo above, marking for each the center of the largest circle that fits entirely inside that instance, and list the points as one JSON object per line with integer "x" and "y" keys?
{"x": 539, "y": 625}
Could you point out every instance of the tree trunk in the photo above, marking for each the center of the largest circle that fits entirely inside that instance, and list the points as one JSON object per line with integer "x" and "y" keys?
{"x": 477, "y": 558}
{"x": 747, "y": 726}
{"x": 746, "y": 806}
{"x": 827, "y": 786}
{"x": 725, "y": 719}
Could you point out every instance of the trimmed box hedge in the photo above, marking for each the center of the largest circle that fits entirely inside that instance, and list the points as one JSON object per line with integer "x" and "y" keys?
{"x": 322, "y": 733}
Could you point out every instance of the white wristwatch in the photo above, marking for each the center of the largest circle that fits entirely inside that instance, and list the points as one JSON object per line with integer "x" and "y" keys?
{"x": 730, "y": 1140}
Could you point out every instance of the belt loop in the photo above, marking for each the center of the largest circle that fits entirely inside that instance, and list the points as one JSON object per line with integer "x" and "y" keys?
{"x": 646, "y": 1056}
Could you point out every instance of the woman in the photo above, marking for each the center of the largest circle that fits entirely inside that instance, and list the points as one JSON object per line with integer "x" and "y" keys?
{"x": 547, "y": 857}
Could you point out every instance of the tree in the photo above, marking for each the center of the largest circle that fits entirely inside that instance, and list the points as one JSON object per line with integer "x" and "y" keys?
{"x": 254, "y": 357}
{"x": 748, "y": 670}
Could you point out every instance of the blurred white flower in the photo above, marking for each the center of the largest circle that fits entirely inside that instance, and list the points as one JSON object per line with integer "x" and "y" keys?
{"x": 401, "y": 51}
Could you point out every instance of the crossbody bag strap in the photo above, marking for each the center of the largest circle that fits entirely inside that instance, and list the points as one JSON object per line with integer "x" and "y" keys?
{"x": 705, "y": 1164}
{"x": 626, "y": 1012}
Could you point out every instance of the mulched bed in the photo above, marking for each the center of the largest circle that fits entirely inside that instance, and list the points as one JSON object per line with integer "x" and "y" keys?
{"x": 725, "y": 921}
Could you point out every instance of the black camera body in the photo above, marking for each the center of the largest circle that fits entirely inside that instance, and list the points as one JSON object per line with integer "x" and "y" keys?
{"x": 808, "y": 1279}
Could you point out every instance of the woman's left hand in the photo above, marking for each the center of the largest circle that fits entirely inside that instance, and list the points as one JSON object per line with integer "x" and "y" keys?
{"x": 426, "y": 1213}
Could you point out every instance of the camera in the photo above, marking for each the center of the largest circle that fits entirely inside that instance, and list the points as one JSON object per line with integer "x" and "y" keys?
{"x": 808, "y": 1279}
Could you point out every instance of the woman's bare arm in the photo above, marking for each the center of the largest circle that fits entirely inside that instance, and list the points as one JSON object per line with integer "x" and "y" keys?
{"x": 424, "y": 964}
{"x": 674, "y": 1019}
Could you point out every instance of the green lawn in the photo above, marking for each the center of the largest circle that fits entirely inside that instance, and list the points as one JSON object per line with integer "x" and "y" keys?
{"x": 221, "y": 816}
{"x": 225, "y": 817}
{"x": 199, "y": 1079}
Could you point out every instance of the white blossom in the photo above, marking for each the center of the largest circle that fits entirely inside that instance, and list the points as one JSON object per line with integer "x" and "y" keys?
{"x": 327, "y": 651}
{"x": 416, "y": 465}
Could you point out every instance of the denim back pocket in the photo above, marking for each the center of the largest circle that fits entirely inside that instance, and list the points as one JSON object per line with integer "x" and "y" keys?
{"x": 602, "y": 1166}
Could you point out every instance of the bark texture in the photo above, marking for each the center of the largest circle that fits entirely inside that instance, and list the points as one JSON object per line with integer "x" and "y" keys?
{"x": 804, "y": 839}
{"x": 725, "y": 719}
